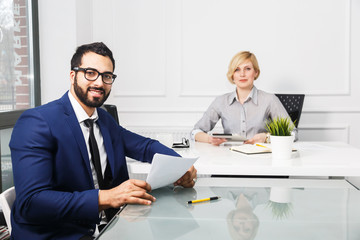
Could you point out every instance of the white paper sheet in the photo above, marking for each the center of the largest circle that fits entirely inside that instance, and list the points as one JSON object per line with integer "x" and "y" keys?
{"x": 167, "y": 169}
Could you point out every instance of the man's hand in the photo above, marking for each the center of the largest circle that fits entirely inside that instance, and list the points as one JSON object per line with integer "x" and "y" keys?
{"x": 188, "y": 179}
{"x": 131, "y": 191}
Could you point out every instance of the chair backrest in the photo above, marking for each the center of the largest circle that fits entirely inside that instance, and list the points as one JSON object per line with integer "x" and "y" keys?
{"x": 7, "y": 199}
{"x": 293, "y": 104}
{"x": 112, "y": 109}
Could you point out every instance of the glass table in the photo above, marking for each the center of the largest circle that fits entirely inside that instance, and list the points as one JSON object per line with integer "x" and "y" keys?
{"x": 248, "y": 209}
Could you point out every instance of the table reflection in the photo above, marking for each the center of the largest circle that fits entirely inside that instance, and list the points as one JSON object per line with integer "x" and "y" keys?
{"x": 242, "y": 222}
{"x": 243, "y": 213}
{"x": 280, "y": 202}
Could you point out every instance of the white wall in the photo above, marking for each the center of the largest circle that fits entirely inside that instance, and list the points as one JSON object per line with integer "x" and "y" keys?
{"x": 172, "y": 56}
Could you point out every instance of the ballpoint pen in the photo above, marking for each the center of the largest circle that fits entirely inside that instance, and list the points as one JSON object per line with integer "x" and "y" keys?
{"x": 261, "y": 145}
{"x": 203, "y": 200}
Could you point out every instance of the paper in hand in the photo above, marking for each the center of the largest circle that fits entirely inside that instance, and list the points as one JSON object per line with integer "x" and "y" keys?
{"x": 166, "y": 169}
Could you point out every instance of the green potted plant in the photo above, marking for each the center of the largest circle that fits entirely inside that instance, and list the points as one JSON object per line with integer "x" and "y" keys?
{"x": 281, "y": 137}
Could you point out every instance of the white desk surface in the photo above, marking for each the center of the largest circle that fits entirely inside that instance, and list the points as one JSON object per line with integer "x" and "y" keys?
{"x": 311, "y": 159}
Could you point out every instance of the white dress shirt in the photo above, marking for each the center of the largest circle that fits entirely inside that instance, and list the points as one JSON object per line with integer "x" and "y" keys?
{"x": 81, "y": 116}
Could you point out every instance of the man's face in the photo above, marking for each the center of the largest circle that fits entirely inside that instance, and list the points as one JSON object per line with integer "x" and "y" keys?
{"x": 91, "y": 94}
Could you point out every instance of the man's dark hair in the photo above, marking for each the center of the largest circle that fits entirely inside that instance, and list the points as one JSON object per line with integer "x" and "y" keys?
{"x": 96, "y": 47}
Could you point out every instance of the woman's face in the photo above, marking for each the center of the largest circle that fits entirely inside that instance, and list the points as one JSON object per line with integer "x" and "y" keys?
{"x": 245, "y": 75}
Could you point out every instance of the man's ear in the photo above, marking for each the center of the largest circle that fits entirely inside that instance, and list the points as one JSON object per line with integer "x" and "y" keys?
{"x": 72, "y": 76}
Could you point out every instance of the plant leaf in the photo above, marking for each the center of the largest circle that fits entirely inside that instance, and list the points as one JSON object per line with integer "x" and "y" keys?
{"x": 280, "y": 126}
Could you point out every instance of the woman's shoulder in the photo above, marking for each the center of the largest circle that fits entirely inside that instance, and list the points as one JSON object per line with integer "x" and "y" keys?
{"x": 227, "y": 95}
{"x": 265, "y": 95}
{"x": 225, "y": 98}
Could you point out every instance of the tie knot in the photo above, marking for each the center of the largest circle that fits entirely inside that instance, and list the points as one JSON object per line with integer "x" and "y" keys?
{"x": 89, "y": 123}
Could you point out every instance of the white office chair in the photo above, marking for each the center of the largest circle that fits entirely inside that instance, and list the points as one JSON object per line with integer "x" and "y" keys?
{"x": 7, "y": 199}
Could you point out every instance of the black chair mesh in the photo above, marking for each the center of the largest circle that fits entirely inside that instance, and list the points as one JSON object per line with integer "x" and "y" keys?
{"x": 112, "y": 109}
{"x": 293, "y": 104}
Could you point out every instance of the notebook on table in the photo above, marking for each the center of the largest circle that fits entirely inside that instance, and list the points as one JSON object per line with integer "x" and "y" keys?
{"x": 254, "y": 148}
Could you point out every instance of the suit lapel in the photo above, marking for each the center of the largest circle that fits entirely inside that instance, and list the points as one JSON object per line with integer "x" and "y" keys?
{"x": 74, "y": 125}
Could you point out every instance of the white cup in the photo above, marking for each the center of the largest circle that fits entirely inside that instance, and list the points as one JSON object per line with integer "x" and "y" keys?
{"x": 165, "y": 138}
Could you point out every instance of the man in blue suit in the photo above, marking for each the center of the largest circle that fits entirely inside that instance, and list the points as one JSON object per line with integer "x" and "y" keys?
{"x": 56, "y": 181}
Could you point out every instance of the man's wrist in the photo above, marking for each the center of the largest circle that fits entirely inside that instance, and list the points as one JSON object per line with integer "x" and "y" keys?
{"x": 104, "y": 200}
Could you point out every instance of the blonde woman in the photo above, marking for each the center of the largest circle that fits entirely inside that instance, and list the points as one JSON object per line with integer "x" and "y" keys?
{"x": 243, "y": 111}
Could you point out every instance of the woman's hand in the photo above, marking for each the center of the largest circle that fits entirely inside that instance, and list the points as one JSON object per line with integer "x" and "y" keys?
{"x": 204, "y": 137}
{"x": 258, "y": 138}
{"x": 216, "y": 141}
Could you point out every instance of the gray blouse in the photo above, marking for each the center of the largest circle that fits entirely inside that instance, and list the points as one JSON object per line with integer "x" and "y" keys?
{"x": 245, "y": 119}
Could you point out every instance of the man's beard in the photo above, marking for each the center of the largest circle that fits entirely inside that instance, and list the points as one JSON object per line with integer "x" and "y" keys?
{"x": 83, "y": 96}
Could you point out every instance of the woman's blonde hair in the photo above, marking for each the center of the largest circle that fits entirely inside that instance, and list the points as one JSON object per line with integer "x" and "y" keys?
{"x": 238, "y": 59}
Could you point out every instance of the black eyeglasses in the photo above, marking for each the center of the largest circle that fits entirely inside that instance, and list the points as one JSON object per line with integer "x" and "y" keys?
{"x": 91, "y": 74}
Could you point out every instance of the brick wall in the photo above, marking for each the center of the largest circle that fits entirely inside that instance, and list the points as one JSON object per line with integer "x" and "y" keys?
{"x": 21, "y": 53}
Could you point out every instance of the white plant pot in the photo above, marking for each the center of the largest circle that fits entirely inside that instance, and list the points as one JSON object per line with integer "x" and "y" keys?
{"x": 281, "y": 147}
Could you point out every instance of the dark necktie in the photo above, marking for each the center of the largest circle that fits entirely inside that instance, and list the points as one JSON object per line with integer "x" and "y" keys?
{"x": 94, "y": 151}
{"x": 95, "y": 158}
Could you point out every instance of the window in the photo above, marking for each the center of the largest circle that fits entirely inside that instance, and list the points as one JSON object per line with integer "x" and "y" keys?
{"x": 19, "y": 71}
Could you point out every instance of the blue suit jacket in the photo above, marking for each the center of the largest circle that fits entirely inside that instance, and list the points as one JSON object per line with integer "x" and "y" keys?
{"x": 55, "y": 195}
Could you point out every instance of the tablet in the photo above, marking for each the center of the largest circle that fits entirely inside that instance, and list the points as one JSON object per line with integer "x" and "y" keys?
{"x": 229, "y": 136}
